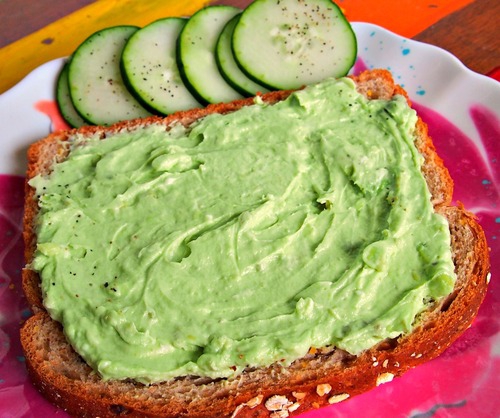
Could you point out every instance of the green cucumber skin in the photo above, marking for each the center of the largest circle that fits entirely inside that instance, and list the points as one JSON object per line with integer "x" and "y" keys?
{"x": 182, "y": 72}
{"x": 247, "y": 92}
{"x": 226, "y": 77}
{"x": 82, "y": 114}
{"x": 132, "y": 90}
{"x": 180, "y": 53}
{"x": 65, "y": 105}
{"x": 159, "y": 109}
{"x": 94, "y": 116}
{"x": 260, "y": 26}
{"x": 134, "y": 93}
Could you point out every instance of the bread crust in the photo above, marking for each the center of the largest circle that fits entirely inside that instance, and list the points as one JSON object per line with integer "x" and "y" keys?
{"x": 323, "y": 377}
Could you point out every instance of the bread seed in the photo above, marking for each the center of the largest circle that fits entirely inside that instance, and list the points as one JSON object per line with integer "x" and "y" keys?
{"x": 237, "y": 410}
{"x": 299, "y": 395}
{"x": 277, "y": 403}
{"x": 323, "y": 389}
{"x": 384, "y": 378}
{"x": 252, "y": 403}
{"x": 338, "y": 398}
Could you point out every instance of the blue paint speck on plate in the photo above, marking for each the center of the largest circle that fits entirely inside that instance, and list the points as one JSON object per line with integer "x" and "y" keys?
{"x": 405, "y": 51}
{"x": 420, "y": 92}
{"x": 486, "y": 182}
{"x": 372, "y": 34}
{"x": 26, "y": 313}
{"x": 497, "y": 220}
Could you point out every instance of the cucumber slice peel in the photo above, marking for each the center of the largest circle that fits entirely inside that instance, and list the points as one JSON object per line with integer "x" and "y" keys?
{"x": 96, "y": 85}
{"x": 196, "y": 58}
{"x": 229, "y": 67}
{"x": 63, "y": 99}
{"x": 287, "y": 44}
{"x": 150, "y": 67}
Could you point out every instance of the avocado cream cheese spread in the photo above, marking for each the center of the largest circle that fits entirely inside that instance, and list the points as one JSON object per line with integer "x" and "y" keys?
{"x": 242, "y": 240}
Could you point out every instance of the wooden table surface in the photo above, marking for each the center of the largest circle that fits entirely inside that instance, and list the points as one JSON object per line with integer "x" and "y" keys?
{"x": 34, "y": 32}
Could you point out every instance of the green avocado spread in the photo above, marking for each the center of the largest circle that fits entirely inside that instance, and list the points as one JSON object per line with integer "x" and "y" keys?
{"x": 244, "y": 240}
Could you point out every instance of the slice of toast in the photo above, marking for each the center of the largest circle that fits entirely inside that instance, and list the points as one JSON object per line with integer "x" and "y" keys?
{"x": 323, "y": 377}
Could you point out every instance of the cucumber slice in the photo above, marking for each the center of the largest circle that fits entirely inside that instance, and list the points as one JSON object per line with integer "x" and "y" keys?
{"x": 150, "y": 68}
{"x": 63, "y": 99}
{"x": 289, "y": 43}
{"x": 228, "y": 66}
{"x": 196, "y": 54}
{"x": 95, "y": 81}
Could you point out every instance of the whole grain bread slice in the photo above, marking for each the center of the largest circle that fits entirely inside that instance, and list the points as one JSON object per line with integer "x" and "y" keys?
{"x": 324, "y": 376}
